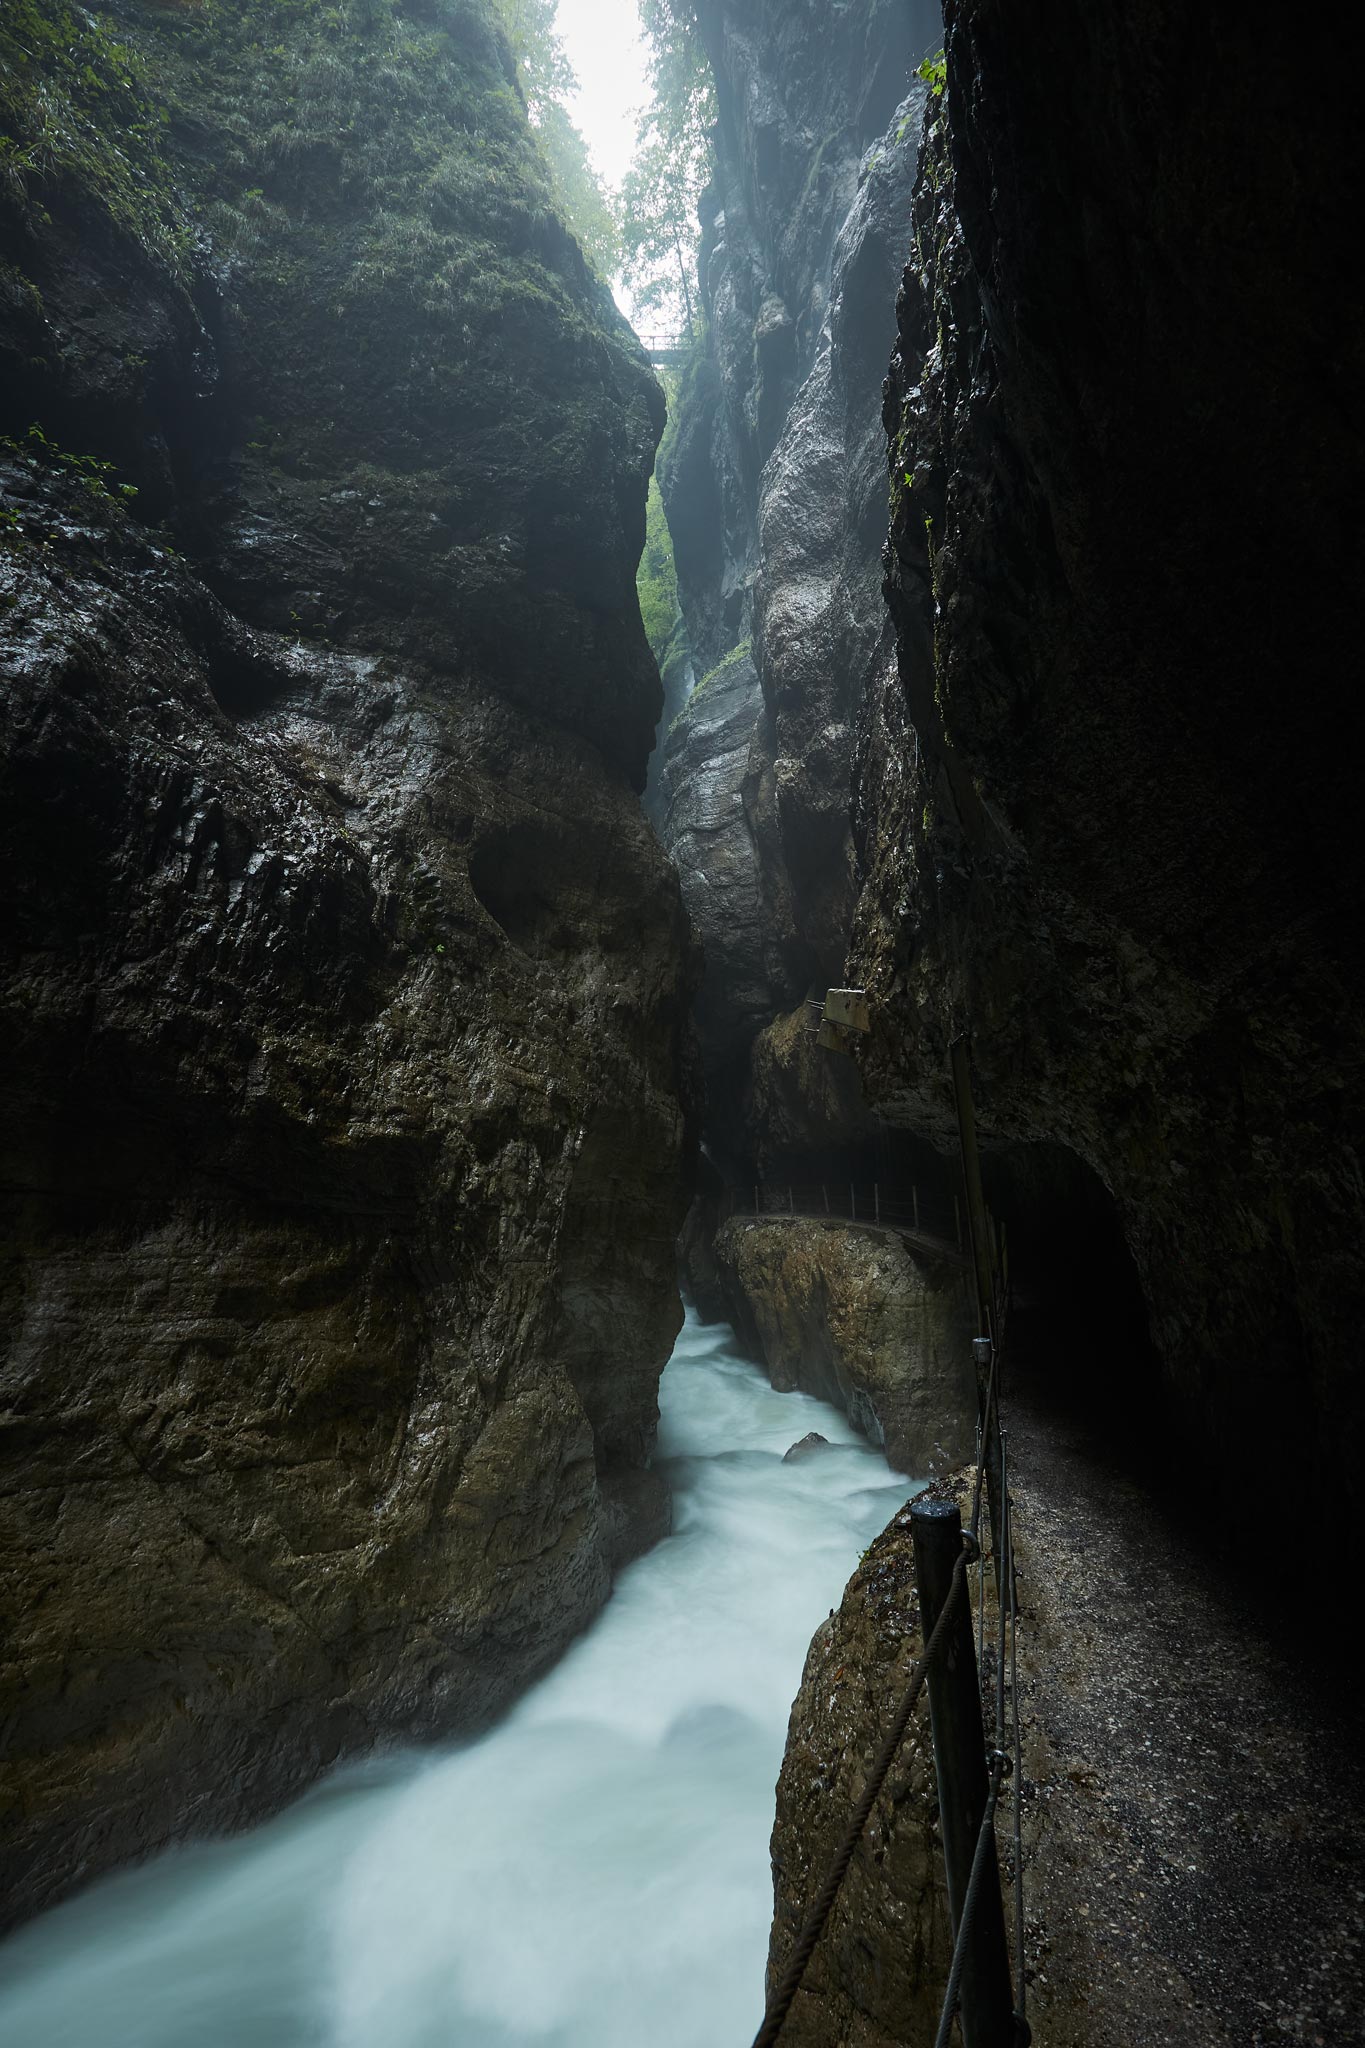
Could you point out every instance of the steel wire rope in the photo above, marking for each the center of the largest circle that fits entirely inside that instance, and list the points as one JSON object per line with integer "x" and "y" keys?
{"x": 1006, "y": 1567}
{"x": 985, "y": 1835}
{"x": 982, "y": 1431}
{"x": 980, "y": 1563}
{"x": 1021, "y": 1975}
{"x": 790, "y": 1982}
{"x": 981, "y": 1450}
{"x": 780, "y": 2004}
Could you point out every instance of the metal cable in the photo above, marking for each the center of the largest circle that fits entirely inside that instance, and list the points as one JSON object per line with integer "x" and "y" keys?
{"x": 1021, "y": 1976}
{"x": 981, "y": 1451}
{"x": 982, "y": 1431}
{"x": 1002, "y": 1575}
{"x": 980, "y": 1564}
{"x": 985, "y": 1836}
{"x": 780, "y": 2003}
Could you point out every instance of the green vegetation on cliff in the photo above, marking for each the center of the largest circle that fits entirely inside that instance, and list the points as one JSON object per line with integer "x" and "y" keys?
{"x": 725, "y": 666}
{"x": 934, "y": 71}
{"x": 77, "y": 117}
{"x": 657, "y": 579}
{"x": 365, "y": 313}
{"x": 343, "y": 103}
{"x": 657, "y": 583}
{"x": 547, "y": 79}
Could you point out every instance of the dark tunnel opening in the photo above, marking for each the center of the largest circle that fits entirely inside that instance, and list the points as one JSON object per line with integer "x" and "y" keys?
{"x": 1079, "y": 1340}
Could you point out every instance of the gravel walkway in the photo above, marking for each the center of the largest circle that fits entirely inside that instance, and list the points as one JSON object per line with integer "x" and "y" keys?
{"x": 1194, "y": 1791}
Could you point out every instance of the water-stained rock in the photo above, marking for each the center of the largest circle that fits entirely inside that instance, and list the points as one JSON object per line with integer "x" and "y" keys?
{"x": 877, "y": 1975}
{"x": 856, "y": 1317}
{"x": 776, "y": 497}
{"x": 1106, "y": 806}
{"x": 344, "y": 982}
{"x": 713, "y": 821}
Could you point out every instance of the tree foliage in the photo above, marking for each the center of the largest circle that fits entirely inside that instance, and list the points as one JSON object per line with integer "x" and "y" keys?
{"x": 657, "y": 579}
{"x": 648, "y": 232}
{"x": 657, "y": 207}
{"x": 547, "y": 80}
{"x": 587, "y": 208}
{"x": 546, "y": 75}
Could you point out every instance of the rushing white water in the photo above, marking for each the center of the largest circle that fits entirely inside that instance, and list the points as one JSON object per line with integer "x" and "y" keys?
{"x": 590, "y": 1874}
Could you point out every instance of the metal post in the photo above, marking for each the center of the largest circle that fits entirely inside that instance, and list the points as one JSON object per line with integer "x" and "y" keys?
{"x": 978, "y": 1229}
{"x": 987, "y": 2008}
{"x": 977, "y": 1225}
{"x": 825, "y": 1192}
{"x": 852, "y": 1202}
{"x": 957, "y": 1221}
{"x": 914, "y": 1198}
{"x": 791, "y": 1204}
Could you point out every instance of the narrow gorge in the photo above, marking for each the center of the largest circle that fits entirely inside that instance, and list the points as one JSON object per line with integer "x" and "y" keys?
{"x": 544, "y": 845}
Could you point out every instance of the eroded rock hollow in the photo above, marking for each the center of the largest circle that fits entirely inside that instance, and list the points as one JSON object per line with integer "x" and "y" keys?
{"x": 346, "y": 1073}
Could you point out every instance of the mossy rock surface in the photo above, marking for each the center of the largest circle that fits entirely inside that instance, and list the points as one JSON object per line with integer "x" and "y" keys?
{"x": 345, "y": 1069}
{"x": 299, "y": 270}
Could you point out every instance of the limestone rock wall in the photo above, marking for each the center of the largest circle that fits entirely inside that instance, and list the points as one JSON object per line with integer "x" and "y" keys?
{"x": 852, "y": 1315}
{"x": 1106, "y": 808}
{"x": 344, "y": 985}
{"x": 715, "y": 795}
{"x": 877, "y": 1976}
{"x": 776, "y": 498}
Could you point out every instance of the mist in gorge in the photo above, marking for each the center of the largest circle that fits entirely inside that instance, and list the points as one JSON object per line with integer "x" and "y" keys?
{"x": 682, "y": 916}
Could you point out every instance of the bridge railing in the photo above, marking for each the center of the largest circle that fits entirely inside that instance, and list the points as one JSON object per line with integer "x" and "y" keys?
{"x": 903, "y": 1206}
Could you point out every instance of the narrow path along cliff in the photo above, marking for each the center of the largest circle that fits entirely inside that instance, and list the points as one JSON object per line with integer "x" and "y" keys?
{"x": 1195, "y": 1750}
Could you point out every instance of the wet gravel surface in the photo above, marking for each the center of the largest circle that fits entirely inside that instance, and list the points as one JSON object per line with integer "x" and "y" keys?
{"x": 1194, "y": 1796}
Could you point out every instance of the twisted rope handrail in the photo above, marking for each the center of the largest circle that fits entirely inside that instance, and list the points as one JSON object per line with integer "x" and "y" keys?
{"x": 784, "y": 1994}
{"x": 779, "y": 2005}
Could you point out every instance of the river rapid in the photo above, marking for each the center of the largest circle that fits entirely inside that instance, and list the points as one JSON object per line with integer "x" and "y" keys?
{"x": 591, "y": 1873}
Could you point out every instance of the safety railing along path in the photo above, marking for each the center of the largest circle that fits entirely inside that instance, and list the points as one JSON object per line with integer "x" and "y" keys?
{"x": 919, "y": 1220}
{"x": 971, "y": 1772}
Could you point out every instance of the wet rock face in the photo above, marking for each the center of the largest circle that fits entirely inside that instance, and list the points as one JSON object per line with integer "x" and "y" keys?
{"x": 798, "y": 109}
{"x": 367, "y": 364}
{"x": 855, "y": 1317}
{"x": 1126, "y": 861}
{"x": 713, "y": 805}
{"x": 776, "y": 498}
{"x": 343, "y": 993}
{"x": 878, "y": 1972}
{"x": 820, "y": 621}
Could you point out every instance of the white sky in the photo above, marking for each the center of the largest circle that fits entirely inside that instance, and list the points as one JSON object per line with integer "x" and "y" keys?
{"x": 602, "y": 38}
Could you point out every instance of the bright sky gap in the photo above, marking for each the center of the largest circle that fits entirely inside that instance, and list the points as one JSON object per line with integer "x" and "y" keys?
{"x": 602, "y": 38}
